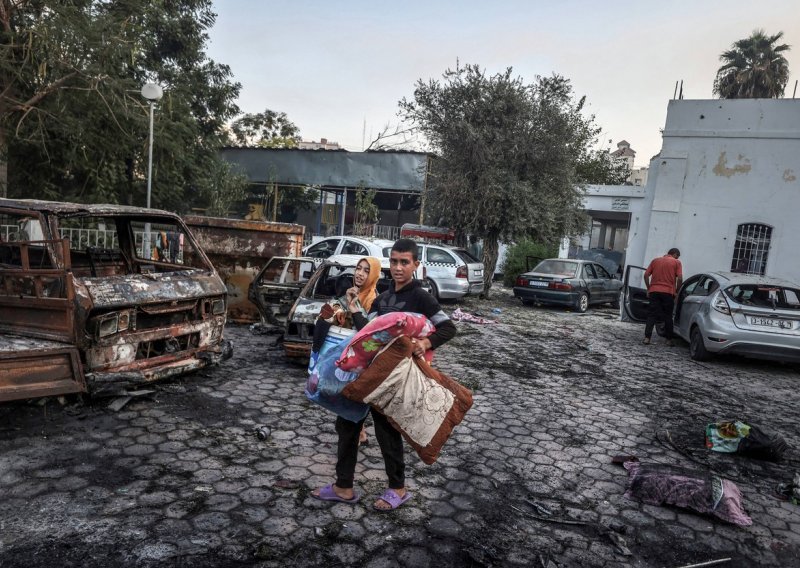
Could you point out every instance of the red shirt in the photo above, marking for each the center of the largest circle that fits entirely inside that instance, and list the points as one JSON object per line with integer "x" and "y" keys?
{"x": 663, "y": 272}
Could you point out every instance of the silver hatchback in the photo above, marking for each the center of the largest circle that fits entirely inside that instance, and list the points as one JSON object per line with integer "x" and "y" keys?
{"x": 726, "y": 312}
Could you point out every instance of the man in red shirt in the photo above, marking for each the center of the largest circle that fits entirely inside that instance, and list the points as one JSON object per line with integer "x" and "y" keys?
{"x": 662, "y": 278}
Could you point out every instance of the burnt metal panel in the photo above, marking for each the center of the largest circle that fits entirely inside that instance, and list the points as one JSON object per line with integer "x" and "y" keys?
{"x": 238, "y": 249}
{"x": 31, "y": 368}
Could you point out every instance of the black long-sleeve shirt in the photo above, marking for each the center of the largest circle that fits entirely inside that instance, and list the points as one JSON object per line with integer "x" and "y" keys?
{"x": 412, "y": 298}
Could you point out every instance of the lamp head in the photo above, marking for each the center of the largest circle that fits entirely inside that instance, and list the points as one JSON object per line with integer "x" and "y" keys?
{"x": 152, "y": 92}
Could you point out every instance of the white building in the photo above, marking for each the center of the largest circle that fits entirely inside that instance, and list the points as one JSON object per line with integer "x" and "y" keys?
{"x": 724, "y": 189}
{"x": 323, "y": 144}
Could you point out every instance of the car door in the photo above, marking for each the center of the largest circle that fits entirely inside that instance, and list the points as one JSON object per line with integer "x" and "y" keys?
{"x": 441, "y": 267}
{"x": 593, "y": 284}
{"x": 353, "y": 247}
{"x": 609, "y": 284}
{"x": 277, "y": 286}
{"x": 635, "y": 302}
{"x": 691, "y": 297}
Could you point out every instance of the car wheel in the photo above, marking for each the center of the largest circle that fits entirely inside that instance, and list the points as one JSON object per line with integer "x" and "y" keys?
{"x": 697, "y": 350}
{"x": 661, "y": 329}
{"x": 582, "y": 303}
{"x": 527, "y": 302}
{"x": 615, "y": 303}
{"x": 434, "y": 289}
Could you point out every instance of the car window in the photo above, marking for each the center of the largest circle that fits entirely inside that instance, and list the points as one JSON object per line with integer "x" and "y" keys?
{"x": 560, "y": 267}
{"x": 588, "y": 271}
{"x": 601, "y": 272}
{"x": 705, "y": 286}
{"x": 352, "y": 247}
{"x": 438, "y": 256}
{"x": 466, "y": 257}
{"x": 775, "y": 297}
{"x": 387, "y": 252}
{"x": 323, "y": 249}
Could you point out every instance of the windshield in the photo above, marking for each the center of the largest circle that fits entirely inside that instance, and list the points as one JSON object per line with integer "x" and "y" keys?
{"x": 762, "y": 296}
{"x": 559, "y": 267}
{"x": 116, "y": 245}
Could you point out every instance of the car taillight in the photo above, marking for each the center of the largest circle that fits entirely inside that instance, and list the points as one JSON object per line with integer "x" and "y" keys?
{"x": 521, "y": 281}
{"x": 461, "y": 271}
{"x": 560, "y": 286}
{"x": 721, "y": 304}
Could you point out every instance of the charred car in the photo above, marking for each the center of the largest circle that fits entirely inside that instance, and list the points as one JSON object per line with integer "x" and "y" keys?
{"x": 277, "y": 286}
{"x": 101, "y": 297}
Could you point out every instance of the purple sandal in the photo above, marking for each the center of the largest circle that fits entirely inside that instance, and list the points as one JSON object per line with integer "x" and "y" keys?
{"x": 328, "y": 494}
{"x": 393, "y": 499}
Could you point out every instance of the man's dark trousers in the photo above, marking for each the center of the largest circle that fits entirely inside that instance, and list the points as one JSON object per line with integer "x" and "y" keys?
{"x": 661, "y": 306}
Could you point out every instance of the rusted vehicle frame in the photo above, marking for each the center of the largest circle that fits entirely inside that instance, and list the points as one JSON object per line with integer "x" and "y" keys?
{"x": 239, "y": 249}
{"x": 127, "y": 318}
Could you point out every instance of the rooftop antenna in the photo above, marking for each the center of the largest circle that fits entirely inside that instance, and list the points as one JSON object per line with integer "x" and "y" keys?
{"x": 680, "y": 95}
{"x": 795, "y": 89}
{"x": 675, "y": 93}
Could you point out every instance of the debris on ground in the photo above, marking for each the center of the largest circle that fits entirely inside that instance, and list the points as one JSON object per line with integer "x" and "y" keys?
{"x": 790, "y": 491}
{"x": 263, "y": 432}
{"x": 119, "y": 402}
{"x": 260, "y": 328}
{"x": 460, "y": 315}
{"x": 735, "y": 436}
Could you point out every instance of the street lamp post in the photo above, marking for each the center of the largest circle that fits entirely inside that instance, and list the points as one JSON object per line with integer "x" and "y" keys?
{"x": 153, "y": 94}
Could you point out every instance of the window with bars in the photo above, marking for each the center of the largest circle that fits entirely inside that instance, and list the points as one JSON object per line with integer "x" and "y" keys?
{"x": 751, "y": 249}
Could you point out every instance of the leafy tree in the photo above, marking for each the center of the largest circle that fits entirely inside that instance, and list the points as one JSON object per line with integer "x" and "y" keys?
{"x": 222, "y": 189}
{"x": 268, "y": 129}
{"x": 753, "y": 68}
{"x": 516, "y": 261}
{"x": 72, "y": 123}
{"x": 509, "y": 156}
{"x": 366, "y": 210}
{"x": 598, "y": 167}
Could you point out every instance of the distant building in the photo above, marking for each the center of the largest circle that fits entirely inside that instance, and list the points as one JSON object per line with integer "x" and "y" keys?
{"x": 323, "y": 144}
{"x": 624, "y": 153}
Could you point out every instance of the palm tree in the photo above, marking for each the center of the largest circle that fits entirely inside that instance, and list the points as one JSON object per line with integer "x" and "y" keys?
{"x": 754, "y": 68}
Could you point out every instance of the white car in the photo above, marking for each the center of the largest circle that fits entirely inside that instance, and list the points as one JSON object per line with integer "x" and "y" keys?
{"x": 452, "y": 272}
{"x": 358, "y": 246}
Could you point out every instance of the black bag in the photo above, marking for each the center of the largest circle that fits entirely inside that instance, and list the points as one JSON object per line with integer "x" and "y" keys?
{"x": 760, "y": 445}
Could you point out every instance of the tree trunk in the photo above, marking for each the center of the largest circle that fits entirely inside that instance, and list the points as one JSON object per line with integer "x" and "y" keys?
{"x": 3, "y": 164}
{"x": 491, "y": 247}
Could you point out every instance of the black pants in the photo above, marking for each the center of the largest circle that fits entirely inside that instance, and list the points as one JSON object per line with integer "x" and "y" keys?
{"x": 661, "y": 306}
{"x": 390, "y": 441}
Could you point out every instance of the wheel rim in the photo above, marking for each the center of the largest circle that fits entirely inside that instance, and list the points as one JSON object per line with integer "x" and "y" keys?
{"x": 584, "y": 302}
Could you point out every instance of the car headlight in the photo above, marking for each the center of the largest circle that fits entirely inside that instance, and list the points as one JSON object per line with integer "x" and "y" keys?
{"x": 107, "y": 325}
{"x": 112, "y": 323}
{"x": 218, "y": 306}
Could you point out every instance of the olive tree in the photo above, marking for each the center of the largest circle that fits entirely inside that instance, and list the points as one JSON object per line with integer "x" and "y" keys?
{"x": 511, "y": 156}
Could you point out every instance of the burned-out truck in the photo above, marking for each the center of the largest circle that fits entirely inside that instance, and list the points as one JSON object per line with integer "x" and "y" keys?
{"x": 101, "y": 298}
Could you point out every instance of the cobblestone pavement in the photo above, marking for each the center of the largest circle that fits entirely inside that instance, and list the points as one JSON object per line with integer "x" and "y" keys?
{"x": 180, "y": 479}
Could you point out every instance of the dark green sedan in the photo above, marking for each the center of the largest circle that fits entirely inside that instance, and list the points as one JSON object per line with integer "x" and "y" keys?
{"x": 565, "y": 282}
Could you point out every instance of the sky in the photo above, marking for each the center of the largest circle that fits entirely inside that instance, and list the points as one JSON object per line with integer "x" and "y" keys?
{"x": 335, "y": 66}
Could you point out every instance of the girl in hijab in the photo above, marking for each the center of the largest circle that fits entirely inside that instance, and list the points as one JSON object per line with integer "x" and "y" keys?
{"x": 356, "y": 299}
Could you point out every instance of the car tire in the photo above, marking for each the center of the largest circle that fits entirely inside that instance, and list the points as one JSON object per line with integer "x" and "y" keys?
{"x": 582, "y": 303}
{"x": 615, "y": 303}
{"x": 527, "y": 302}
{"x": 434, "y": 289}
{"x": 697, "y": 350}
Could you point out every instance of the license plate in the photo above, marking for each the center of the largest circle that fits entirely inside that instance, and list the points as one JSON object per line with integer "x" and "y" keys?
{"x": 478, "y": 272}
{"x": 537, "y": 283}
{"x": 770, "y": 322}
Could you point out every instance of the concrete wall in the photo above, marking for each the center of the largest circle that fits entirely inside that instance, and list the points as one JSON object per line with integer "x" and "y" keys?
{"x": 722, "y": 163}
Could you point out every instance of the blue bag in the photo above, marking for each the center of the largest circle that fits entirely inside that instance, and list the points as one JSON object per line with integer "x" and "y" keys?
{"x": 326, "y": 381}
